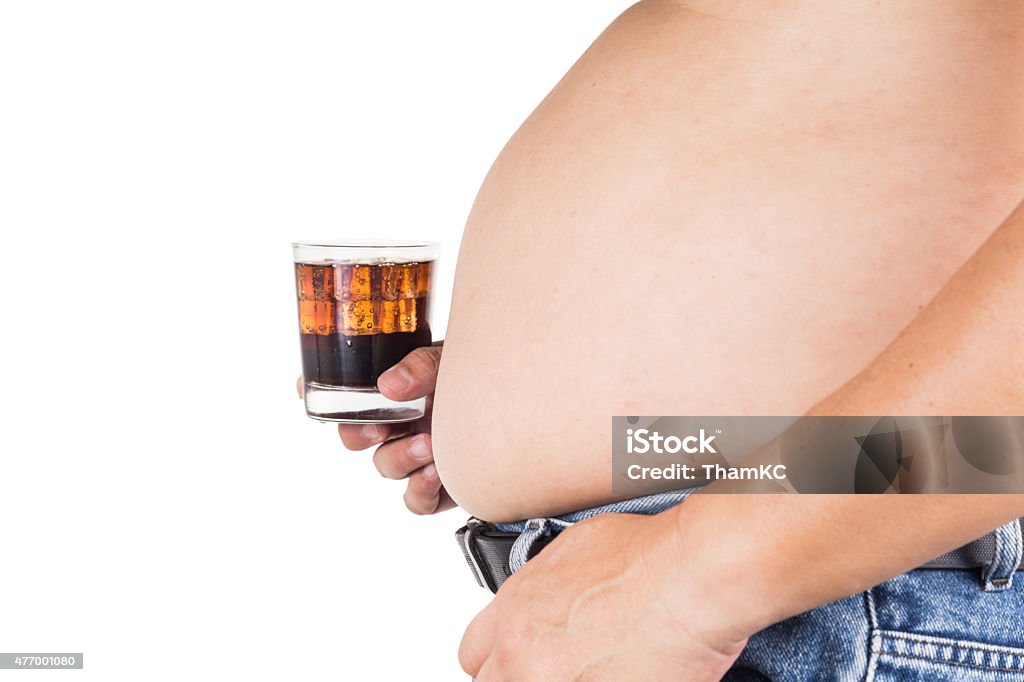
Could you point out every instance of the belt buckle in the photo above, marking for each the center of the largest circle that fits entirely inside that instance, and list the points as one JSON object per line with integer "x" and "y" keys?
{"x": 465, "y": 537}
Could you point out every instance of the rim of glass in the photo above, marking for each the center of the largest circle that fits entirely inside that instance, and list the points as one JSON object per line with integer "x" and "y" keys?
{"x": 364, "y": 243}
{"x": 354, "y": 250}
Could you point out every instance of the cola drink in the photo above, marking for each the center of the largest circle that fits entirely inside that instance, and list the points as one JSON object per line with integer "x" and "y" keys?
{"x": 358, "y": 320}
{"x": 363, "y": 306}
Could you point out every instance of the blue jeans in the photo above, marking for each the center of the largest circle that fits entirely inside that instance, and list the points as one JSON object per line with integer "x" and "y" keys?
{"x": 927, "y": 624}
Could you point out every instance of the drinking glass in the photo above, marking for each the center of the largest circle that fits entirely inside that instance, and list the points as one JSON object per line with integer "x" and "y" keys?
{"x": 363, "y": 306}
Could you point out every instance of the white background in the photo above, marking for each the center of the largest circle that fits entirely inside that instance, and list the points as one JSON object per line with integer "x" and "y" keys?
{"x": 165, "y": 506}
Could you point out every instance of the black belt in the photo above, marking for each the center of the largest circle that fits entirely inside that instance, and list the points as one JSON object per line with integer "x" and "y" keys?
{"x": 487, "y": 549}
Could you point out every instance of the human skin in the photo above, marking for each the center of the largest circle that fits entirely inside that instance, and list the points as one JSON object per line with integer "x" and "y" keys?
{"x": 730, "y": 209}
{"x": 710, "y": 571}
{"x": 818, "y": 190}
{"x": 726, "y": 213}
{"x": 675, "y": 596}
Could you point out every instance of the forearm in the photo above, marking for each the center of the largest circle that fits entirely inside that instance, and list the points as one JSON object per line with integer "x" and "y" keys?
{"x": 779, "y": 555}
{"x": 769, "y": 557}
{"x": 964, "y": 354}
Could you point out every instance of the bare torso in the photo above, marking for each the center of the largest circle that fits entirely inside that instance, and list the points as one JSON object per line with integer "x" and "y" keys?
{"x": 719, "y": 213}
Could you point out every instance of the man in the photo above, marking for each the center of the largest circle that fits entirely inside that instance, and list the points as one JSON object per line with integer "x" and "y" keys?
{"x": 795, "y": 208}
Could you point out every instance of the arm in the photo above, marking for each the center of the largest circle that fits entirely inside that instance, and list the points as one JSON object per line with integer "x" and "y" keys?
{"x": 774, "y": 556}
{"x": 964, "y": 354}
{"x": 681, "y": 591}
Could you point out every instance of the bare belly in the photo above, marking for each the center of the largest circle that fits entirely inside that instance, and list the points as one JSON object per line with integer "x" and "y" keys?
{"x": 716, "y": 215}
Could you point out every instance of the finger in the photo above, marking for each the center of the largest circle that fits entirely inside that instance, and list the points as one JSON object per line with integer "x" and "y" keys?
{"x": 401, "y": 457}
{"x": 362, "y": 436}
{"x": 478, "y": 641}
{"x": 423, "y": 494}
{"x": 298, "y": 386}
{"x": 413, "y": 377}
{"x": 446, "y": 502}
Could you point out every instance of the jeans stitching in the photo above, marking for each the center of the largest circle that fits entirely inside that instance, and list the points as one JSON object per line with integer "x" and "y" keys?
{"x": 998, "y": 575}
{"x": 954, "y": 645}
{"x": 874, "y": 641}
{"x": 991, "y": 668}
{"x": 946, "y": 641}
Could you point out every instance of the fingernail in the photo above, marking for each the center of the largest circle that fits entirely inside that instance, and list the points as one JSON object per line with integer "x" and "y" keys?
{"x": 395, "y": 379}
{"x": 430, "y": 471}
{"x": 372, "y": 433}
{"x": 418, "y": 448}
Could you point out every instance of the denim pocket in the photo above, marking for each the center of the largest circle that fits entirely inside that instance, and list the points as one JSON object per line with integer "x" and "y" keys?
{"x": 902, "y": 656}
{"x": 943, "y": 625}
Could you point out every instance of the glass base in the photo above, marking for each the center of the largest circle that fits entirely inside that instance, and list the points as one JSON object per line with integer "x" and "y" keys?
{"x": 357, "y": 405}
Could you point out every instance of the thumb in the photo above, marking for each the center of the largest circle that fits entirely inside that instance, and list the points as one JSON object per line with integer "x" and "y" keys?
{"x": 478, "y": 641}
{"x": 414, "y": 377}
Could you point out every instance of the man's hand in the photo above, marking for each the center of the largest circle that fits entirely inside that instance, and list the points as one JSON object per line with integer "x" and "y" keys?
{"x": 405, "y": 450}
{"x": 590, "y": 607}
